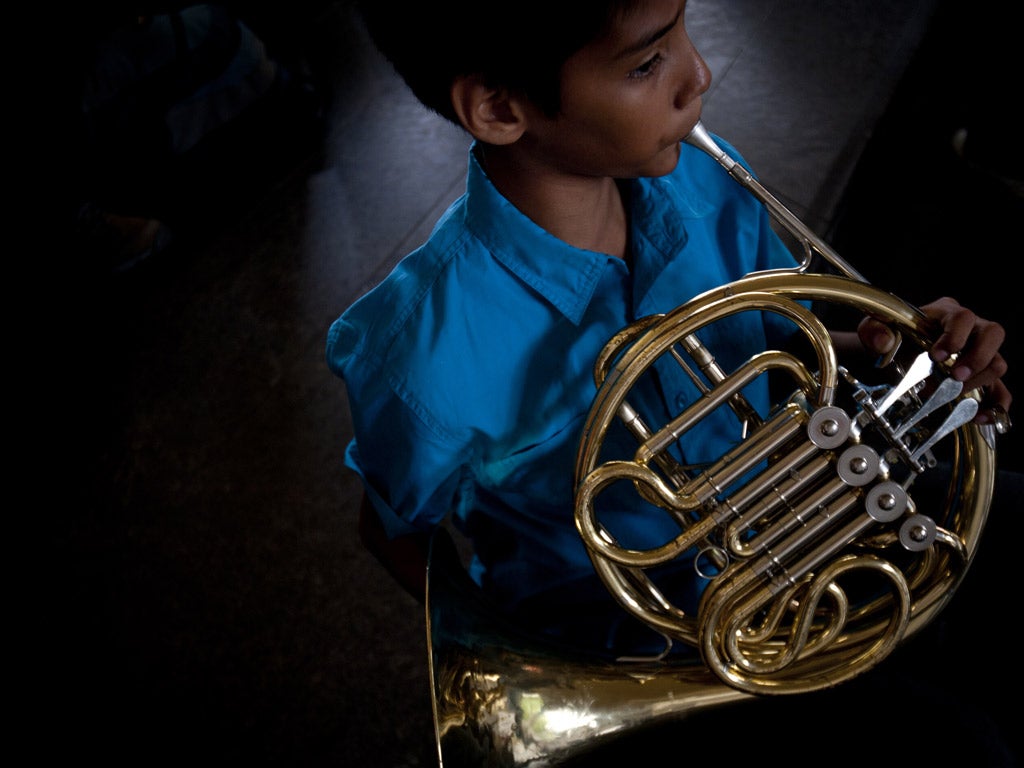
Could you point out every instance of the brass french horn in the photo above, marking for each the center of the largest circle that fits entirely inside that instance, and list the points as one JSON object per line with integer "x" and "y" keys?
{"x": 818, "y": 560}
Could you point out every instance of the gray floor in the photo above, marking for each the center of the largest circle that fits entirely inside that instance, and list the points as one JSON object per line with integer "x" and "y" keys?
{"x": 212, "y": 602}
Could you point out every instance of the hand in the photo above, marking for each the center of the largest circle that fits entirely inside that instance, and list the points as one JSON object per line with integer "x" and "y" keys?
{"x": 975, "y": 341}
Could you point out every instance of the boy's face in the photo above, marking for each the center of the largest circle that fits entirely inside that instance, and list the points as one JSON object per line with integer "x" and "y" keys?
{"x": 628, "y": 98}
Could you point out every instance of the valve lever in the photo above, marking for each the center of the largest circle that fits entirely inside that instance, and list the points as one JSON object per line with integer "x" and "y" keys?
{"x": 918, "y": 372}
{"x": 946, "y": 392}
{"x": 962, "y": 413}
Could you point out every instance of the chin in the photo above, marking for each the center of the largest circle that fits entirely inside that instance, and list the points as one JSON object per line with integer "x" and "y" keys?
{"x": 666, "y": 161}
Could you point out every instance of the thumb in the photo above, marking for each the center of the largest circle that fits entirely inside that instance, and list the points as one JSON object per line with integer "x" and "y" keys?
{"x": 876, "y": 336}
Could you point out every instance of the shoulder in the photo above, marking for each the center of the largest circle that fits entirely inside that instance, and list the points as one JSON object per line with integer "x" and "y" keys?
{"x": 393, "y": 347}
{"x": 423, "y": 335}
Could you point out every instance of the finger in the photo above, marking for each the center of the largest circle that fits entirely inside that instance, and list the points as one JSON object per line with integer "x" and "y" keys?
{"x": 981, "y": 355}
{"x": 957, "y": 325}
{"x": 876, "y": 336}
{"x": 995, "y": 406}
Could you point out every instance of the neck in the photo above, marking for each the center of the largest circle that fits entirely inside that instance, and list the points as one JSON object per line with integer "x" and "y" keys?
{"x": 586, "y": 212}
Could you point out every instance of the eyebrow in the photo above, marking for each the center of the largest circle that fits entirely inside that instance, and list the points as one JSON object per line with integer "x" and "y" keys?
{"x": 648, "y": 40}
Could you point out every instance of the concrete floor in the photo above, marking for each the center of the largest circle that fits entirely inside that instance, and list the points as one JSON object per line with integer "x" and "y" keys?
{"x": 206, "y": 600}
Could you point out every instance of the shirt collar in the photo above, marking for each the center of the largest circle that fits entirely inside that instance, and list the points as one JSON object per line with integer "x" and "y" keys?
{"x": 567, "y": 276}
{"x": 564, "y": 275}
{"x": 661, "y": 208}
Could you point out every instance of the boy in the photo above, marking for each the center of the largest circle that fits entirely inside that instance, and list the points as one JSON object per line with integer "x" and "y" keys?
{"x": 469, "y": 369}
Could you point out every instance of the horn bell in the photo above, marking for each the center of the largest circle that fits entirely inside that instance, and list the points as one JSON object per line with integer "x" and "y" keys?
{"x": 505, "y": 697}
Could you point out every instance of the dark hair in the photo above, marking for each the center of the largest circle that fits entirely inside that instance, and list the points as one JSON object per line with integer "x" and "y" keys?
{"x": 520, "y": 46}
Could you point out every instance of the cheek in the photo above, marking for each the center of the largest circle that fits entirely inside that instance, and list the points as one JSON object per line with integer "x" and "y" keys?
{"x": 642, "y": 122}
{"x": 621, "y": 129}
{"x": 610, "y": 112}
{"x": 631, "y": 128}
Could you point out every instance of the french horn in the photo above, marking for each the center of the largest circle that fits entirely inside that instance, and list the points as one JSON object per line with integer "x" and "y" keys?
{"x": 818, "y": 560}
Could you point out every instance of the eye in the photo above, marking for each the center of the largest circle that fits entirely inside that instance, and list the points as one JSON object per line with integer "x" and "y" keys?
{"x": 647, "y": 68}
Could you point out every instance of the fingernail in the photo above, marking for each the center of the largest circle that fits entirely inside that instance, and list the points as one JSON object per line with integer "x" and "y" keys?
{"x": 962, "y": 373}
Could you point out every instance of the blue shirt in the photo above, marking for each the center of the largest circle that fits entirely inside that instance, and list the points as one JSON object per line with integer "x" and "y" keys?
{"x": 469, "y": 369}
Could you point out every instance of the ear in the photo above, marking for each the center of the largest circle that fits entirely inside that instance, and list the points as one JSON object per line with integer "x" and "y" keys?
{"x": 492, "y": 115}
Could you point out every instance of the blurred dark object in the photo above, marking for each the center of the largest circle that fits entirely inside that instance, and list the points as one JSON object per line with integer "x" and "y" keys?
{"x": 170, "y": 108}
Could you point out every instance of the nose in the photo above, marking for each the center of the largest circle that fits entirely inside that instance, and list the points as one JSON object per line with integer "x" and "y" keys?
{"x": 694, "y": 76}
